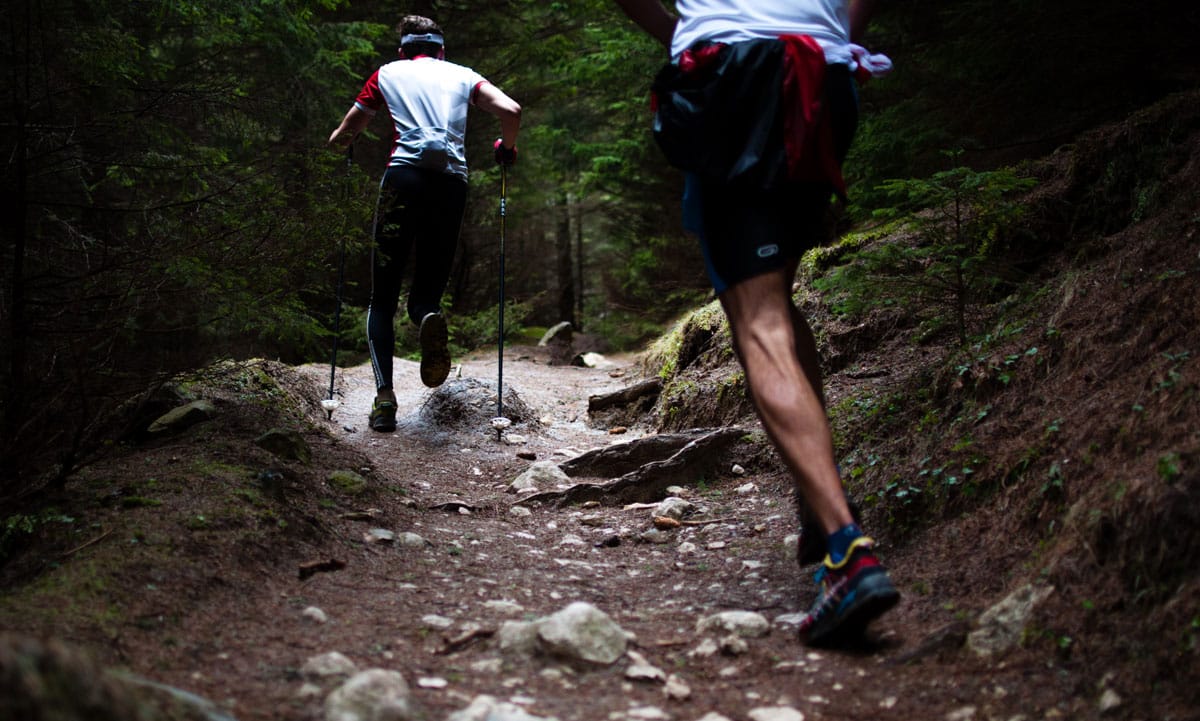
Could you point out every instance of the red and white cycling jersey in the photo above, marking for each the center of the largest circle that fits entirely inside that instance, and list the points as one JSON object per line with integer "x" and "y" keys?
{"x": 428, "y": 101}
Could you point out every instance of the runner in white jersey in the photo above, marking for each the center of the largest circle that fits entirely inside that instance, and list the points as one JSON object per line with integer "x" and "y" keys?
{"x": 759, "y": 107}
{"x": 422, "y": 195}
{"x": 731, "y": 21}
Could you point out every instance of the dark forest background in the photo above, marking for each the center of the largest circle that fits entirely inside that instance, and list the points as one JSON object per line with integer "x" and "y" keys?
{"x": 168, "y": 199}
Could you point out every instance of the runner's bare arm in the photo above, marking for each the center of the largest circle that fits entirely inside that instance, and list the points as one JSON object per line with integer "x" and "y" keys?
{"x": 652, "y": 17}
{"x": 355, "y": 121}
{"x": 860, "y": 14}
{"x": 490, "y": 98}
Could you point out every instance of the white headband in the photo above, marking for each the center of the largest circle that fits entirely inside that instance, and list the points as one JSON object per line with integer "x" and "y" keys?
{"x": 426, "y": 38}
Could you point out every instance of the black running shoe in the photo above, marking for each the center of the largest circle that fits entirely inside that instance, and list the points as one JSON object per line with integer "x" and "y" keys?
{"x": 435, "y": 353}
{"x": 383, "y": 414}
{"x": 850, "y": 595}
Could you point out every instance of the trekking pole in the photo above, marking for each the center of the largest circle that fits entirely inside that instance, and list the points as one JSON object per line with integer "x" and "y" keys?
{"x": 330, "y": 404}
{"x": 500, "y": 333}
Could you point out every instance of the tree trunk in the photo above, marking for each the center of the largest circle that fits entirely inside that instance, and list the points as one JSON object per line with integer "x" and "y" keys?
{"x": 564, "y": 267}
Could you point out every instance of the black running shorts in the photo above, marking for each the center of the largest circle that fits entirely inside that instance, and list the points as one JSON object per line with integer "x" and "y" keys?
{"x": 746, "y": 231}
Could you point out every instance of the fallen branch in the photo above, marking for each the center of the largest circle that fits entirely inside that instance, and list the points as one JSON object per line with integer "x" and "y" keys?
{"x": 97, "y": 539}
{"x": 311, "y": 567}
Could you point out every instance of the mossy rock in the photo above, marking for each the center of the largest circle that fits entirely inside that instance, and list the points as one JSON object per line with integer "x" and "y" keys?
{"x": 347, "y": 482}
{"x": 285, "y": 444}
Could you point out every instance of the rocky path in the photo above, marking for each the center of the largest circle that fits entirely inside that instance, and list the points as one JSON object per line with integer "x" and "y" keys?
{"x": 485, "y": 607}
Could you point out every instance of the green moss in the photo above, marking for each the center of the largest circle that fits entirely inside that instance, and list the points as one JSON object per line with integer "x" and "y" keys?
{"x": 347, "y": 482}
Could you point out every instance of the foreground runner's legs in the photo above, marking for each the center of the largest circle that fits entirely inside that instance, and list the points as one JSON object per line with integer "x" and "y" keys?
{"x": 853, "y": 586}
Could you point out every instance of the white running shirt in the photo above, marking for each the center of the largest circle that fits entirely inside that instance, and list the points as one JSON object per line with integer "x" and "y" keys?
{"x": 428, "y": 101}
{"x": 731, "y": 21}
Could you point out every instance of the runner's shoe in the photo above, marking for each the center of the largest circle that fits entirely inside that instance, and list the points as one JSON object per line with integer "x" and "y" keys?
{"x": 850, "y": 595}
{"x": 383, "y": 413}
{"x": 813, "y": 545}
{"x": 435, "y": 354}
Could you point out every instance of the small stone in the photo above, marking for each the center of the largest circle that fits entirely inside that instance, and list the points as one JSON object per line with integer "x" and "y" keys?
{"x": 734, "y": 645}
{"x": 379, "y": 535}
{"x": 746, "y": 488}
{"x": 737, "y": 470}
{"x": 715, "y": 545}
{"x": 966, "y": 713}
{"x": 328, "y": 664}
{"x": 687, "y": 548}
{"x": 1110, "y": 700}
{"x": 648, "y": 713}
{"x": 492, "y": 666}
{"x": 654, "y": 535}
{"x": 743, "y": 623}
{"x": 408, "y": 539}
{"x": 520, "y": 512}
{"x": 435, "y": 621}
{"x": 509, "y": 607}
{"x": 676, "y": 689}
{"x": 672, "y": 507}
{"x": 713, "y": 716}
{"x": 515, "y": 439}
{"x": 642, "y": 670}
{"x": 708, "y": 647}
{"x": 314, "y": 614}
{"x": 432, "y": 682}
{"x": 775, "y": 713}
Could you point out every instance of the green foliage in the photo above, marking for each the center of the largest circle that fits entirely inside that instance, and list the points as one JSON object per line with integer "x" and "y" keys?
{"x": 959, "y": 220}
{"x": 479, "y": 329}
{"x": 180, "y": 211}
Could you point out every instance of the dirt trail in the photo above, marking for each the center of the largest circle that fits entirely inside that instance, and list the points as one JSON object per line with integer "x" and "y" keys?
{"x": 540, "y": 563}
{"x": 182, "y": 566}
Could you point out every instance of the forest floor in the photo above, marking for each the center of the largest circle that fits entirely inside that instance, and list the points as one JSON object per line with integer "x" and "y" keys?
{"x": 188, "y": 571}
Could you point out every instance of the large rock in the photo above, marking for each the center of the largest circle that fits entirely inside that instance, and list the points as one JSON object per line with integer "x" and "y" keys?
{"x": 1002, "y": 625}
{"x": 372, "y": 695}
{"x": 182, "y": 417}
{"x": 541, "y": 474}
{"x": 582, "y": 632}
{"x": 285, "y": 444}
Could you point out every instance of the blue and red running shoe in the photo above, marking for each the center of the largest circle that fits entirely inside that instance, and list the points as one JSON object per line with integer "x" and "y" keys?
{"x": 850, "y": 595}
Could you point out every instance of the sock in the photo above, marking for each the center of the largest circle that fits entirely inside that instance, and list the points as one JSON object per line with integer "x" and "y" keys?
{"x": 840, "y": 540}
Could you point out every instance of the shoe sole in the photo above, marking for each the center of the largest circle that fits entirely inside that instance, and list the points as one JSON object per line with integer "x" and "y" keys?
{"x": 383, "y": 423}
{"x": 873, "y": 597}
{"x": 384, "y": 427}
{"x": 435, "y": 355}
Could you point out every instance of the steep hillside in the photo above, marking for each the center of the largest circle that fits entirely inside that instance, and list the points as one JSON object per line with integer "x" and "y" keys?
{"x": 1061, "y": 446}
